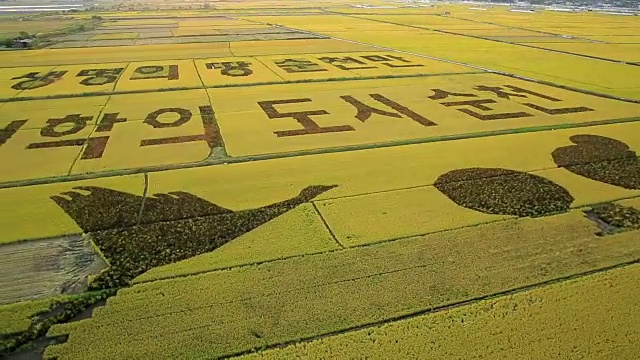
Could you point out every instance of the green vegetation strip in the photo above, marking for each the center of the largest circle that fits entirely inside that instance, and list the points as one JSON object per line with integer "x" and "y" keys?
{"x": 621, "y": 217}
{"x": 17, "y": 317}
{"x": 242, "y": 159}
{"x": 41, "y": 316}
{"x": 592, "y": 317}
{"x": 234, "y": 311}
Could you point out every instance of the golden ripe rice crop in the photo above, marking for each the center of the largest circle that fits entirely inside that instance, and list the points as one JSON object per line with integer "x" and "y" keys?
{"x": 107, "y": 54}
{"x": 503, "y": 328}
{"x": 151, "y": 75}
{"x": 230, "y": 70}
{"x": 406, "y": 109}
{"x": 136, "y": 107}
{"x": 8, "y": 88}
{"x": 257, "y": 48}
{"x": 622, "y": 52}
{"x": 222, "y": 188}
{"x": 75, "y": 79}
{"x": 38, "y": 112}
{"x": 124, "y": 150}
{"x": 142, "y": 314}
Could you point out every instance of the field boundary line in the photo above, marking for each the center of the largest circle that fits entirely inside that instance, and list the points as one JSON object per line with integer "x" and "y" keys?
{"x": 222, "y": 86}
{"x": 180, "y": 58}
{"x": 437, "y": 309}
{"x": 571, "y": 88}
{"x": 275, "y": 73}
{"x": 580, "y": 208}
{"x": 521, "y": 28}
{"x": 495, "y": 40}
{"x": 224, "y": 160}
{"x": 193, "y": 61}
{"x": 326, "y": 225}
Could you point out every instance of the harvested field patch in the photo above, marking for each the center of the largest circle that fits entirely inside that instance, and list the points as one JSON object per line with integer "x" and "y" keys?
{"x": 110, "y": 43}
{"x": 115, "y": 36}
{"x": 157, "y": 41}
{"x": 154, "y": 34}
{"x": 48, "y": 267}
{"x": 195, "y": 31}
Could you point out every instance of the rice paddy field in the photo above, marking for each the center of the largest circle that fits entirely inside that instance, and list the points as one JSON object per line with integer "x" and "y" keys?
{"x": 278, "y": 180}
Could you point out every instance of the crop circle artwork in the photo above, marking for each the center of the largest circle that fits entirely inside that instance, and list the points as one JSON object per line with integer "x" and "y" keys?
{"x": 504, "y": 192}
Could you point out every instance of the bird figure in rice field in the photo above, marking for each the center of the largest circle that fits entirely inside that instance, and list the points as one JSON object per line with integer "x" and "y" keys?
{"x": 171, "y": 227}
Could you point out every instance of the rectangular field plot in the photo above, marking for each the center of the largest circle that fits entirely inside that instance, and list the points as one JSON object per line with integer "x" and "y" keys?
{"x": 211, "y": 72}
{"x": 285, "y": 118}
{"x": 138, "y": 107}
{"x": 38, "y": 114}
{"x": 179, "y": 137}
{"x": 15, "y": 80}
{"x": 623, "y": 52}
{"x": 46, "y": 152}
{"x": 68, "y": 80}
{"x": 57, "y": 57}
{"x": 234, "y": 70}
{"x": 279, "y": 68}
{"x": 151, "y": 75}
{"x": 47, "y": 137}
{"x": 594, "y": 316}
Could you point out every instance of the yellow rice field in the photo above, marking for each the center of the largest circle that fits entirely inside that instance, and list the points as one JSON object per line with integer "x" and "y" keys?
{"x": 277, "y": 179}
{"x": 545, "y": 322}
{"x": 344, "y": 116}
